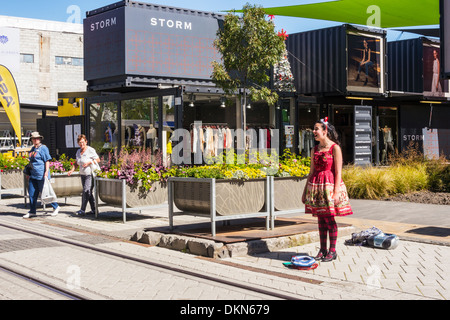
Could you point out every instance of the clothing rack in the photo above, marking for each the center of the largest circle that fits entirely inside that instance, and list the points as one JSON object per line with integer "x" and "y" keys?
{"x": 210, "y": 124}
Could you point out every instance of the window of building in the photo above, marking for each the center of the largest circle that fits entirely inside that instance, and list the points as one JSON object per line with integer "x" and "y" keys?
{"x": 70, "y": 61}
{"x": 26, "y": 58}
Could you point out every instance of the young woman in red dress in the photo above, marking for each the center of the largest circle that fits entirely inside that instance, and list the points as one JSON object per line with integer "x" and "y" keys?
{"x": 325, "y": 194}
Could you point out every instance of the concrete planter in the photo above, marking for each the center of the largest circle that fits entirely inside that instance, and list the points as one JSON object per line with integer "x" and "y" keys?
{"x": 286, "y": 197}
{"x": 110, "y": 191}
{"x": 115, "y": 192}
{"x": 221, "y": 200}
{"x": 63, "y": 185}
{"x": 11, "y": 181}
{"x": 232, "y": 197}
{"x": 288, "y": 193}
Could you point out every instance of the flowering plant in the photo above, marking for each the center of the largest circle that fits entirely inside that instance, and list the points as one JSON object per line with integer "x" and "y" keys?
{"x": 8, "y": 163}
{"x": 138, "y": 169}
{"x": 62, "y": 165}
{"x": 292, "y": 165}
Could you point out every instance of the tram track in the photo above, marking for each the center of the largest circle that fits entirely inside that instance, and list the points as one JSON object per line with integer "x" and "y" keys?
{"x": 146, "y": 262}
{"x": 64, "y": 293}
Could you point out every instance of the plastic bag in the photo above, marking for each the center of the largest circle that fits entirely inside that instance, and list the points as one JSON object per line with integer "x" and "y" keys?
{"x": 48, "y": 195}
{"x": 94, "y": 168}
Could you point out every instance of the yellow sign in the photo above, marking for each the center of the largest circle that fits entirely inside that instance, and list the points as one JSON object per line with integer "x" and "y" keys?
{"x": 9, "y": 99}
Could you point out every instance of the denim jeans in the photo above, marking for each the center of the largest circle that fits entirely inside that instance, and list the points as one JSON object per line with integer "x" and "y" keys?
{"x": 367, "y": 66}
{"x": 34, "y": 188}
{"x": 88, "y": 195}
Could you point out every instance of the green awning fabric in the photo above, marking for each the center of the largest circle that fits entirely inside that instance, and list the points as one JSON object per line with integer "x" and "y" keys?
{"x": 392, "y": 13}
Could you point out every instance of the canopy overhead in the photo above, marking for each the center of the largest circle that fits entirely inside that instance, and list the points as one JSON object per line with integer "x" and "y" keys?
{"x": 392, "y": 13}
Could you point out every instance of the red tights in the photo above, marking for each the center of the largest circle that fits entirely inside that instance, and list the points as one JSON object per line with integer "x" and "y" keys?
{"x": 328, "y": 226}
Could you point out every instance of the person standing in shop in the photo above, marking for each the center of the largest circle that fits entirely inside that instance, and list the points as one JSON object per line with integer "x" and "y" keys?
{"x": 40, "y": 160}
{"x": 325, "y": 195}
{"x": 87, "y": 159}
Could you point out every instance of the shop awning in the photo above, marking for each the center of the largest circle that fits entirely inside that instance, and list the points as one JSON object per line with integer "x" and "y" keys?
{"x": 393, "y": 13}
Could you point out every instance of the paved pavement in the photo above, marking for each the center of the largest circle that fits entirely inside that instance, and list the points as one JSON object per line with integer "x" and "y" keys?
{"x": 416, "y": 269}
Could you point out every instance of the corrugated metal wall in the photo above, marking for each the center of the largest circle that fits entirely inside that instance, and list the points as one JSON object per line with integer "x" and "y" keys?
{"x": 405, "y": 65}
{"x": 318, "y": 60}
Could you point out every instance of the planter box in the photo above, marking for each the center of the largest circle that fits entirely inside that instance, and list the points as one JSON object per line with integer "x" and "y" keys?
{"x": 63, "y": 185}
{"x": 286, "y": 196}
{"x": 232, "y": 197}
{"x": 110, "y": 191}
{"x": 288, "y": 193}
{"x": 117, "y": 193}
{"x": 220, "y": 199}
{"x": 11, "y": 181}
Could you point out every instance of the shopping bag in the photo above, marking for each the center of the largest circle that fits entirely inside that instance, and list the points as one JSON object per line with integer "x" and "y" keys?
{"x": 48, "y": 194}
{"x": 94, "y": 168}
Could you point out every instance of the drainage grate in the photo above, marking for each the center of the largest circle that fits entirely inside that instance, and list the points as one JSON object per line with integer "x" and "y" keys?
{"x": 25, "y": 244}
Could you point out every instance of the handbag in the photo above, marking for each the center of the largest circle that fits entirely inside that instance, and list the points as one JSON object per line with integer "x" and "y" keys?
{"x": 48, "y": 194}
{"x": 28, "y": 168}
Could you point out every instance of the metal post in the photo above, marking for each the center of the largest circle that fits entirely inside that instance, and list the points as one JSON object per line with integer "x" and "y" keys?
{"x": 96, "y": 197}
{"x": 213, "y": 206}
{"x": 170, "y": 190}
{"x": 124, "y": 201}
{"x": 272, "y": 202}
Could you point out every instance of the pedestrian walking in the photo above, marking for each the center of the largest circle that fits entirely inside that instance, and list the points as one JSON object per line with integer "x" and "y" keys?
{"x": 39, "y": 157}
{"x": 87, "y": 159}
{"x": 325, "y": 195}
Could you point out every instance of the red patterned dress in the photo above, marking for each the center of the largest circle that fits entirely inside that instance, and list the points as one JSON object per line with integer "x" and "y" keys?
{"x": 320, "y": 188}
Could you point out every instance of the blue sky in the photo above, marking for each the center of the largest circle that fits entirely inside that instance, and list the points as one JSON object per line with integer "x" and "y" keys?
{"x": 74, "y": 10}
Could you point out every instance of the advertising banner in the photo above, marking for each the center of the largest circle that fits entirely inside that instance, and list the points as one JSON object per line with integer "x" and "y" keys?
{"x": 9, "y": 99}
{"x": 433, "y": 84}
{"x": 10, "y": 48}
{"x": 445, "y": 37}
{"x": 365, "y": 63}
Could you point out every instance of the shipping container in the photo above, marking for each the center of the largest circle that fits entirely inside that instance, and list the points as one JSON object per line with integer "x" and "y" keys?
{"x": 414, "y": 67}
{"x": 339, "y": 61}
{"x": 133, "y": 44}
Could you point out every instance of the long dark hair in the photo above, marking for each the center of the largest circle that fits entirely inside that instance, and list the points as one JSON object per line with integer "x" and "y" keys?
{"x": 331, "y": 130}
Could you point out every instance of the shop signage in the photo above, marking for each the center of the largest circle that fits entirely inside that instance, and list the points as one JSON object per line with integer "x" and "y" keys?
{"x": 363, "y": 136}
{"x": 150, "y": 41}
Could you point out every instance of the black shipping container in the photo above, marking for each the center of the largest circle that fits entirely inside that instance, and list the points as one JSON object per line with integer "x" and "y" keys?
{"x": 327, "y": 61}
{"x": 413, "y": 67}
{"x": 133, "y": 44}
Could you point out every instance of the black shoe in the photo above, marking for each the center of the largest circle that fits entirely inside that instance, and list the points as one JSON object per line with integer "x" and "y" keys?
{"x": 330, "y": 256}
{"x": 365, "y": 82}
{"x": 357, "y": 77}
{"x": 322, "y": 253}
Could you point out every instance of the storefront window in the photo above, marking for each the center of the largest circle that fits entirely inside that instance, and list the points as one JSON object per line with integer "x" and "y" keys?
{"x": 387, "y": 135}
{"x": 104, "y": 126}
{"x": 138, "y": 118}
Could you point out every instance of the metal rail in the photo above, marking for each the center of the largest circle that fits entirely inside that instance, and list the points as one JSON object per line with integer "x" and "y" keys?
{"x": 157, "y": 265}
{"x": 43, "y": 284}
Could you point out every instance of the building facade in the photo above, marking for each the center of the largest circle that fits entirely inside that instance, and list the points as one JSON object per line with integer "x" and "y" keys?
{"x": 45, "y": 58}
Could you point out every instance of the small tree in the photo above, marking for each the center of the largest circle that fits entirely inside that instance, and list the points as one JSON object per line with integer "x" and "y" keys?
{"x": 249, "y": 46}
